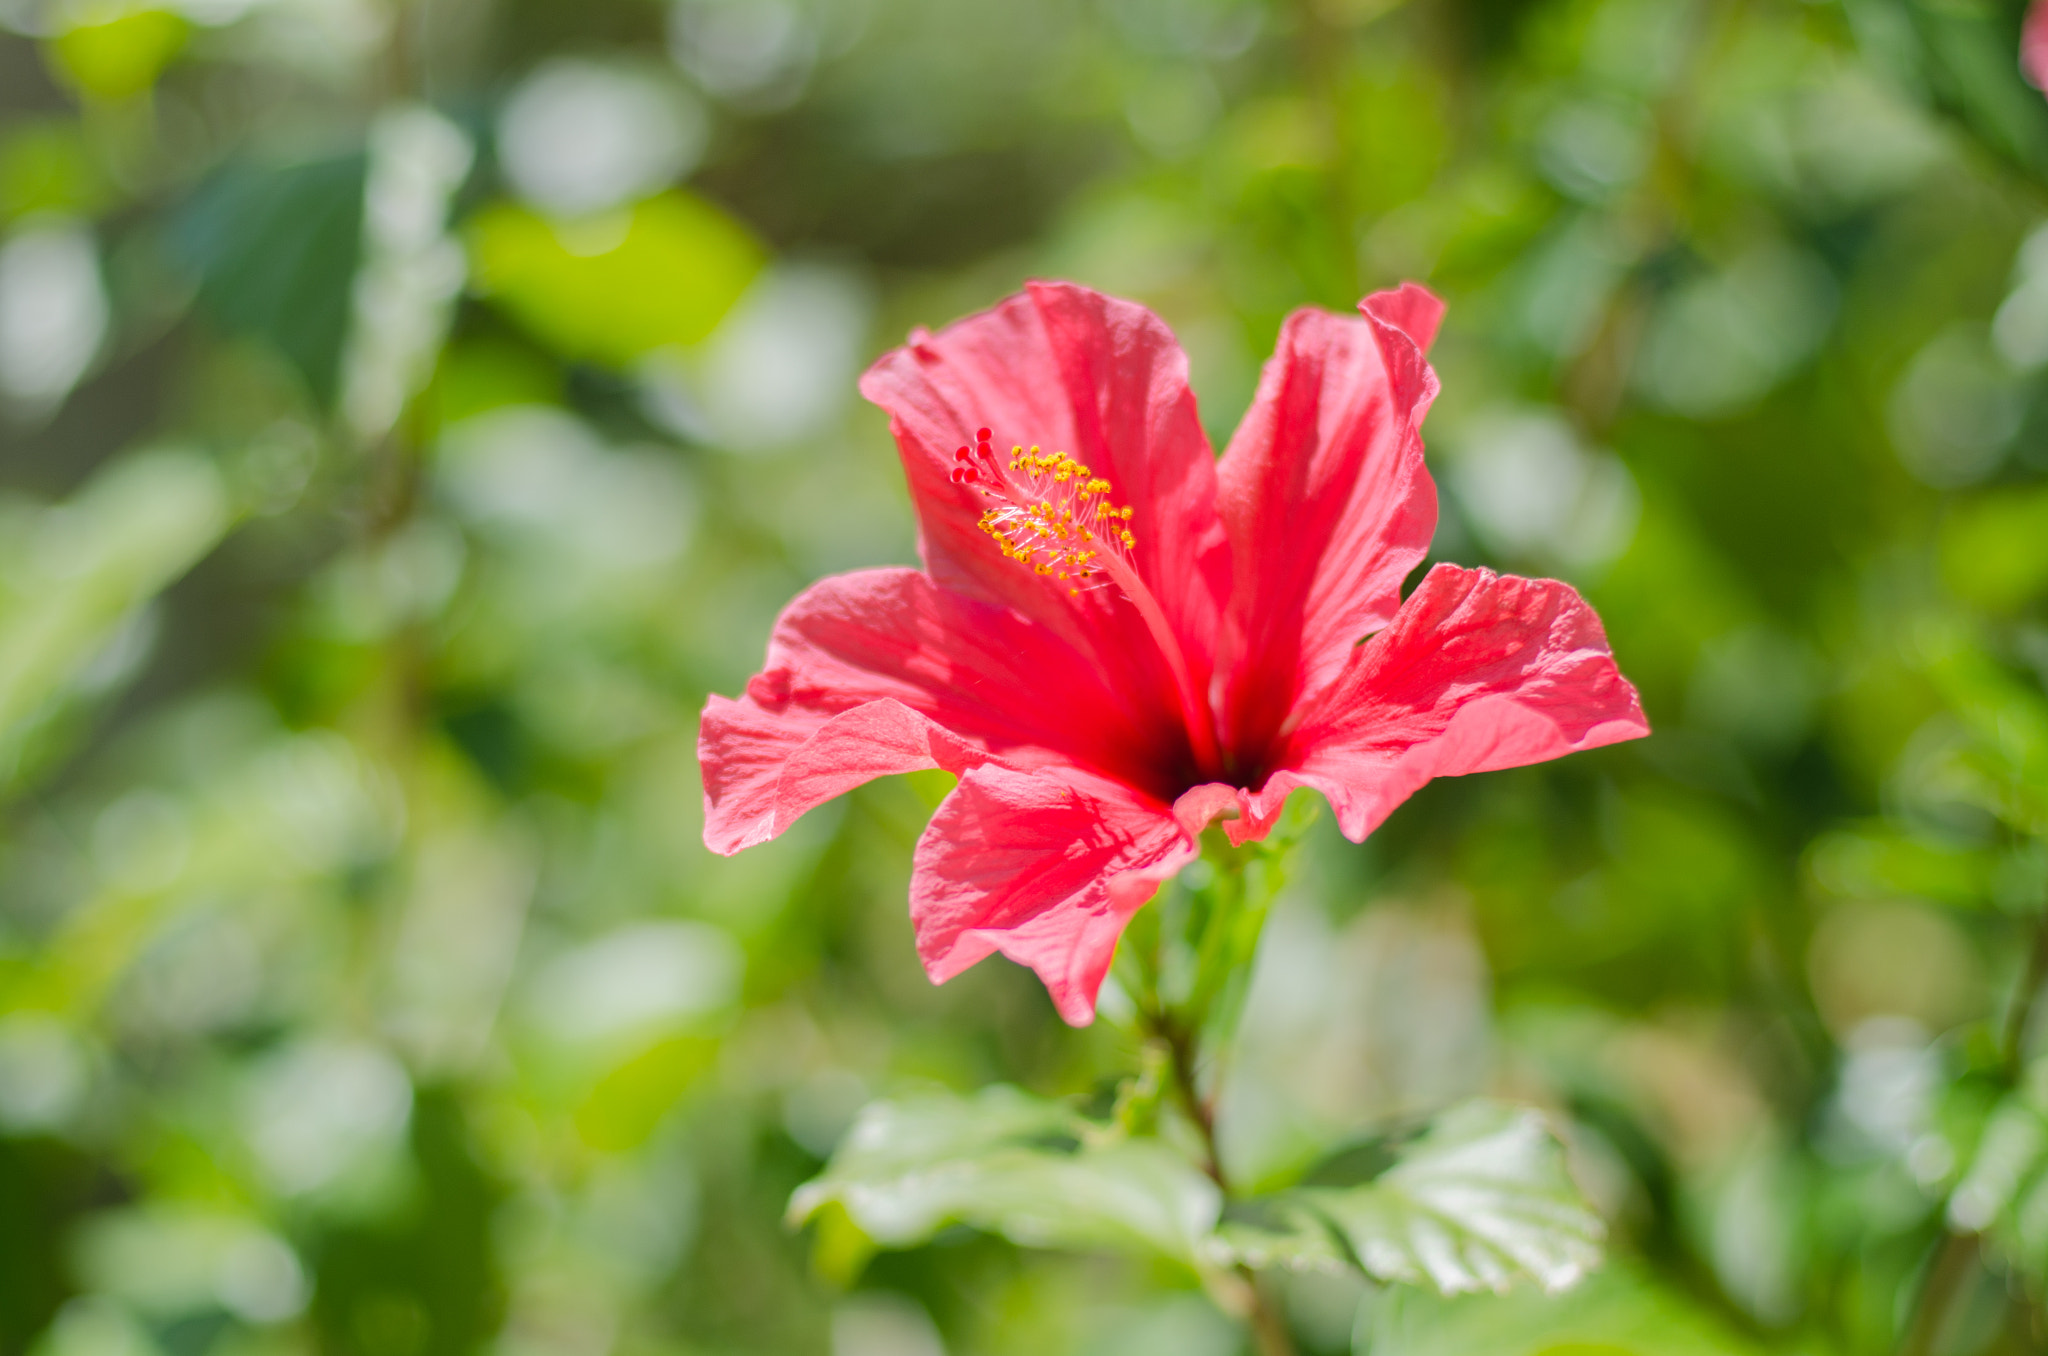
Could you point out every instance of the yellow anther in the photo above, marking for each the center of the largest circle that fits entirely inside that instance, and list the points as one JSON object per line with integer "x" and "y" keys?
{"x": 1053, "y": 514}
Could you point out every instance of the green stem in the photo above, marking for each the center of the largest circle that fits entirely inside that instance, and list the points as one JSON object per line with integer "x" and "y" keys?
{"x": 1200, "y": 1109}
{"x": 1270, "y": 1336}
{"x": 1223, "y": 930}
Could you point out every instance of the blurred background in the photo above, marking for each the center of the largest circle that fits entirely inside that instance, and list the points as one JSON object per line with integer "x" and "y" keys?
{"x": 409, "y": 411}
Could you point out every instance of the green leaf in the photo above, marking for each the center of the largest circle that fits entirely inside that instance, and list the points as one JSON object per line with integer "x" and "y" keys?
{"x": 1994, "y": 550}
{"x": 1876, "y": 861}
{"x": 1615, "y": 1313}
{"x": 71, "y": 576}
{"x": 47, "y": 166}
{"x": 275, "y": 251}
{"x": 2000, "y": 763}
{"x": 616, "y": 287}
{"x": 119, "y": 57}
{"x": 1963, "y": 60}
{"x": 1480, "y": 1202}
{"x": 1031, "y": 1170}
{"x": 1280, "y": 1231}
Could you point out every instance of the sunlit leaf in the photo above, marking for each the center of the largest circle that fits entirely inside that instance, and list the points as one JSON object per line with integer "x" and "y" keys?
{"x": 488, "y": 374}
{"x": 627, "y": 1104}
{"x": 1994, "y": 551}
{"x": 1480, "y": 1202}
{"x": 119, "y": 57}
{"x": 1031, "y": 1170}
{"x": 615, "y": 287}
{"x": 1616, "y": 1313}
{"x": 71, "y": 576}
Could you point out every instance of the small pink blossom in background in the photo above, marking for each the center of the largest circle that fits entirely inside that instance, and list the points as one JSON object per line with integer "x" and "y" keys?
{"x": 1117, "y": 639}
{"x": 2034, "y": 45}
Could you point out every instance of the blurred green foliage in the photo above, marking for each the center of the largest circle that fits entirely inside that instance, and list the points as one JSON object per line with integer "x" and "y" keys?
{"x": 409, "y": 411}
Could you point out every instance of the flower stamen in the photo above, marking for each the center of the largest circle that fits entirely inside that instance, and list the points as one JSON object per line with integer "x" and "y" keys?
{"x": 1048, "y": 512}
{"x": 1055, "y": 516}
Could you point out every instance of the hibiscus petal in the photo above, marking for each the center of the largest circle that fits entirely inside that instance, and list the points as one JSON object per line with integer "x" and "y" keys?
{"x": 881, "y": 671}
{"x": 1244, "y": 817}
{"x": 1046, "y": 867}
{"x": 1074, "y": 371}
{"x": 762, "y": 772}
{"x": 1327, "y": 502}
{"x": 1477, "y": 672}
{"x": 1199, "y": 806}
{"x": 1410, "y": 308}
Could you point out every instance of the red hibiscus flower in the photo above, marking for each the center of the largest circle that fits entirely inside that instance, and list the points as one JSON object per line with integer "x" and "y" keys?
{"x": 1117, "y": 639}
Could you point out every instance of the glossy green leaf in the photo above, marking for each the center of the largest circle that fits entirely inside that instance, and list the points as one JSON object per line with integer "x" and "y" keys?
{"x": 1029, "y": 1169}
{"x": 1480, "y": 1202}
